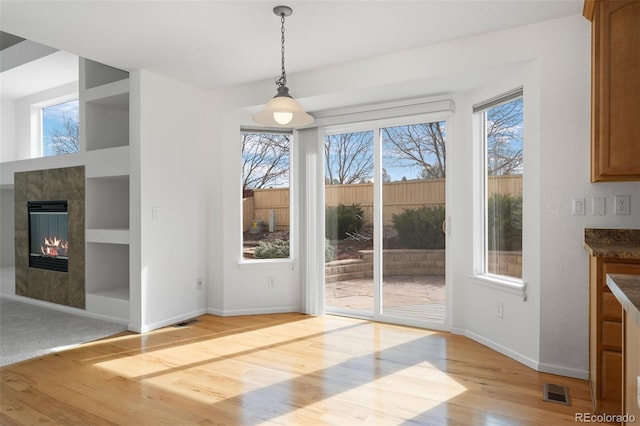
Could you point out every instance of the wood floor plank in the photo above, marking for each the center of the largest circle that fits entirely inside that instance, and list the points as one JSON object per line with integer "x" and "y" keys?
{"x": 282, "y": 369}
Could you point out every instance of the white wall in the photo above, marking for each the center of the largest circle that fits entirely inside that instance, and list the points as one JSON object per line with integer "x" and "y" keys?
{"x": 518, "y": 333}
{"x": 7, "y": 130}
{"x": 548, "y": 331}
{"x": 240, "y": 287}
{"x": 166, "y": 175}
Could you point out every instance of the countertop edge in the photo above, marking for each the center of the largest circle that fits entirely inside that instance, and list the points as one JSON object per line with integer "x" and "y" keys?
{"x": 610, "y": 251}
{"x": 631, "y": 309}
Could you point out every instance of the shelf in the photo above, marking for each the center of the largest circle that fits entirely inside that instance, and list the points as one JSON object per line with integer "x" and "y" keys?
{"x": 121, "y": 293}
{"x": 113, "y": 303}
{"x": 107, "y": 162}
{"x": 107, "y": 201}
{"x": 107, "y": 267}
{"x": 104, "y": 131}
{"x": 107, "y": 122}
{"x": 107, "y": 236}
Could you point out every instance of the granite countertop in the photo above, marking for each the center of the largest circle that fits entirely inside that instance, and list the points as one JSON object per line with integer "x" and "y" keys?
{"x": 626, "y": 288}
{"x": 613, "y": 243}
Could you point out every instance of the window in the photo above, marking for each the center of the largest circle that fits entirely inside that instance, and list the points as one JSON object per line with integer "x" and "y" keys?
{"x": 60, "y": 129}
{"x": 265, "y": 195}
{"x": 501, "y": 123}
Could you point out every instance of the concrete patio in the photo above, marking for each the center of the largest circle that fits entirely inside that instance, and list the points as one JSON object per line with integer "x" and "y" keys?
{"x": 419, "y": 297}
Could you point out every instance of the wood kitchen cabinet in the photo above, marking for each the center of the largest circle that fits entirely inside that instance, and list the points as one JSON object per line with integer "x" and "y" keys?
{"x": 606, "y": 333}
{"x": 632, "y": 367}
{"x": 615, "y": 89}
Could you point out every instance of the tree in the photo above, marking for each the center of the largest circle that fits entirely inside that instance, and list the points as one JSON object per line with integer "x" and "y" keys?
{"x": 65, "y": 139}
{"x": 504, "y": 138}
{"x": 421, "y": 145}
{"x": 348, "y": 158}
{"x": 265, "y": 160}
{"x": 385, "y": 176}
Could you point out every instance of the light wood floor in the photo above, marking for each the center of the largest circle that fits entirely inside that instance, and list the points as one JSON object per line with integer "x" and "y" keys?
{"x": 282, "y": 369}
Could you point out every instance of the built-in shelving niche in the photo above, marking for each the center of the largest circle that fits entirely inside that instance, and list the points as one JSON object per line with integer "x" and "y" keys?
{"x": 107, "y": 122}
{"x": 108, "y": 203}
{"x": 104, "y": 107}
{"x": 108, "y": 279}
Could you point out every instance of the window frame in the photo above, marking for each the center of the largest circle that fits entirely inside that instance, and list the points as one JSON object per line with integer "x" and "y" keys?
{"x": 481, "y": 254}
{"x": 243, "y": 262}
{"x": 37, "y": 123}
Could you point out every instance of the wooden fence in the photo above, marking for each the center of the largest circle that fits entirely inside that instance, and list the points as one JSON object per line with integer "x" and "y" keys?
{"x": 397, "y": 196}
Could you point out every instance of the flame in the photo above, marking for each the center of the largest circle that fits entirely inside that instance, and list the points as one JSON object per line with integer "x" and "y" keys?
{"x": 54, "y": 246}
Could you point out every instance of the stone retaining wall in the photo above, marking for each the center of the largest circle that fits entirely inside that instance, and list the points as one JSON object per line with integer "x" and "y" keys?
{"x": 396, "y": 262}
{"x": 411, "y": 263}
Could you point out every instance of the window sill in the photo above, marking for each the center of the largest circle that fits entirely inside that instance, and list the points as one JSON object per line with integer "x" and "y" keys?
{"x": 513, "y": 287}
{"x": 279, "y": 263}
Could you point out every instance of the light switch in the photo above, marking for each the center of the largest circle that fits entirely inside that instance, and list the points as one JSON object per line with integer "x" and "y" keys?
{"x": 598, "y": 207}
{"x": 578, "y": 208}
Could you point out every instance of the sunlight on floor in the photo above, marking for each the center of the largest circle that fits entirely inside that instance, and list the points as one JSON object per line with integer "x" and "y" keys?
{"x": 275, "y": 363}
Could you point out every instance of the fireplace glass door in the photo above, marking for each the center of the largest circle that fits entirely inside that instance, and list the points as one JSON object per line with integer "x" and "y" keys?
{"x": 48, "y": 235}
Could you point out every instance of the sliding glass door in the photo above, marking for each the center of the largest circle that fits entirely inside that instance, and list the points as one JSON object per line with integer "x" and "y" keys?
{"x": 349, "y": 222}
{"x": 413, "y": 215}
{"x": 384, "y": 220}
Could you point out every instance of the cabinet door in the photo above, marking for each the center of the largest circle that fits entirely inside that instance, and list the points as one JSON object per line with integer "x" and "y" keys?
{"x": 611, "y": 382}
{"x": 616, "y": 91}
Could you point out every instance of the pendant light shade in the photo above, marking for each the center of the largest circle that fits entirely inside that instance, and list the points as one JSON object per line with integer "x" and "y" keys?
{"x": 282, "y": 110}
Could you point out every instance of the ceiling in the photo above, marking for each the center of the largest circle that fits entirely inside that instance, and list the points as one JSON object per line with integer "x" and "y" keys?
{"x": 223, "y": 43}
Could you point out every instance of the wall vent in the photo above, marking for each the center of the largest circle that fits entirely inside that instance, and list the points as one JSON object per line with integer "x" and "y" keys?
{"x": 186, "y": 323}
{"x": 556, "y": 393}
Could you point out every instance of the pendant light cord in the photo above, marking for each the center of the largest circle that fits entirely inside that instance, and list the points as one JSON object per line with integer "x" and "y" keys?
{"x": 282, "y": 81}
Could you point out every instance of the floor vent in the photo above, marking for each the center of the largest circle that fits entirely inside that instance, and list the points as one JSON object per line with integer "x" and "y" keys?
{"x": 186, "y": 323}
{"x": 556, "y": 393}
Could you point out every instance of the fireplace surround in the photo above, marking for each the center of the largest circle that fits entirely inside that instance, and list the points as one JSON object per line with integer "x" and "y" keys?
{"x": 49, "y": 187}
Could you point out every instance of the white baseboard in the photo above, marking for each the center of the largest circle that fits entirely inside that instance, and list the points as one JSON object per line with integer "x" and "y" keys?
{"x": 564, "y": 371}
{"x": 167, "y": 321}
{"x": 253, "y": 311}
{"x": 523, "y": 359}
{"x": 63, "y": 308}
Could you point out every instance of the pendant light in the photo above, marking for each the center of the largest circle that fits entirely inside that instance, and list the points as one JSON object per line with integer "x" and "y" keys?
{"x": 282, "y": 110}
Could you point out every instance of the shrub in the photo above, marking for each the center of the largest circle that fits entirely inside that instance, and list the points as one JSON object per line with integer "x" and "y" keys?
{"x": 329, "y": 251}
{"x": 504, "y": 222}
{"x": 420, "y": 228}
{"x": 342, "y": 220}
{"x": 272, "y": 250}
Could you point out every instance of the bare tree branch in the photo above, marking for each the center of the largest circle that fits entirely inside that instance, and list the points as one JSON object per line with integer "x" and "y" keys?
{"x": 265, "y": 160}
{"x": 421, "y": 145}
{"x": 65, "y": 139}
{"x": 504, "y": 138}
{"x": 349, "y": 158}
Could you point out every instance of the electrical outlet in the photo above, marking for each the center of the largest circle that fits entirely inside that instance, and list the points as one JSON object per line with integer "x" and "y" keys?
{"x": 271, "y": 281}
{"x": 499, "y": 309}
{"x": 199, "y": 284}
{"x": 622, "y": 204}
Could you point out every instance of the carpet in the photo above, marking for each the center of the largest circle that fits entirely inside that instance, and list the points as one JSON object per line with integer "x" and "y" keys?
{"x": 28, "y": 331}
